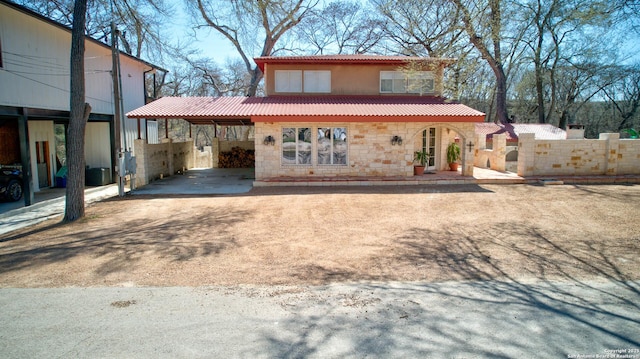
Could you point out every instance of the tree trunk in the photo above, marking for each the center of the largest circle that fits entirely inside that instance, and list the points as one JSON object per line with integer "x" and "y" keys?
{"x": 540, "y": 92}
{"x": 256, "y": 76}
{"x": 494, "y": 60}
{"x": 501, "y": 95}
{"x": 79, "y": 113}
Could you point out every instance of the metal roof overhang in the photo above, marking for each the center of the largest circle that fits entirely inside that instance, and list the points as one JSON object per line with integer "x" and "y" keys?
{"x": 232, "y": 111}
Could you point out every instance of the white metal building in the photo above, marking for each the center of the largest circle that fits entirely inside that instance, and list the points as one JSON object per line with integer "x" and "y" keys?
{"x": 34, "y": 96}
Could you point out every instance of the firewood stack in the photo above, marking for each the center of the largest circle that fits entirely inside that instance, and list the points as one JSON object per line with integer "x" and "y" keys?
{"x": 237, "y": 158}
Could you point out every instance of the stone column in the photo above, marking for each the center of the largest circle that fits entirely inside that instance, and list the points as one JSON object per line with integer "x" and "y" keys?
{"x": 499, "y": 152}
{"x": 142, "y": 174}
{"x": 215, "y": 151}
{"x": 467, "y": 157}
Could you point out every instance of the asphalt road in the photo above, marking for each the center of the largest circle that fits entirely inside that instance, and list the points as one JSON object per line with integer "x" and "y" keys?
{"x": 448, "y": 320}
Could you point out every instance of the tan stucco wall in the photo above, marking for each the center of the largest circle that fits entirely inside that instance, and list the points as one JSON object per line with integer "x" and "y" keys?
{"x": 346, "y": 79}
{"x": 370, "y": 152}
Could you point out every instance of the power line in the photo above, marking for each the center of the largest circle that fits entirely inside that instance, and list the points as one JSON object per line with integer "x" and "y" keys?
{"x": 57, "y": 88}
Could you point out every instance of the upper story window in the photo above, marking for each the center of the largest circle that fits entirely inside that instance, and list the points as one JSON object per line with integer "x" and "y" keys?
{"x": 311, "y": 82}
{"x": 288, "y": 81}
{"x": 1, "y": 63}
{"x": 317, "y": 81}
{"x": 420, "y": 82}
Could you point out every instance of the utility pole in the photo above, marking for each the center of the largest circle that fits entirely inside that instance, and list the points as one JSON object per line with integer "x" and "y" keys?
{"x": 118, "y": 155}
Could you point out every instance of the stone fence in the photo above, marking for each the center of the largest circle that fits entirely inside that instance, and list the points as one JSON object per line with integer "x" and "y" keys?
{"x": 608, "y": 155}
{"x": 494, "y": 158}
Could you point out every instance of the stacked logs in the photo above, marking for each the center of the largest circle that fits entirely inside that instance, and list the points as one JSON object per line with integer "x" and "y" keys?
{"x": 237, "y": 158}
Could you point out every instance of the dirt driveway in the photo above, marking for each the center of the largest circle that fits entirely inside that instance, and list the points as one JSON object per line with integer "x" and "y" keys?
{"x": 322, "y": 235}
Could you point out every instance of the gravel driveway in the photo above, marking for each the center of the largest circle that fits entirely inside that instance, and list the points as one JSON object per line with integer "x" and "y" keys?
{"x": 290, "y": 236}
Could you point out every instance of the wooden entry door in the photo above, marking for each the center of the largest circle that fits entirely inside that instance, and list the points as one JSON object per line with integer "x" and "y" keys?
{"x": 42, "y": 163}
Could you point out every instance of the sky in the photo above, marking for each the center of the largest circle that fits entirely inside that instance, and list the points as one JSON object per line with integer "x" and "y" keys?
{"x": 208, "y": 42}
{"x": 213, "y": 45}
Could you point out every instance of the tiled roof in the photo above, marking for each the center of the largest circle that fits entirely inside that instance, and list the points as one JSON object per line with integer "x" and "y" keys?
{"x": 346, "y": 59}
{"x": 541, "y": 131}
{"x": 320, "y": 108}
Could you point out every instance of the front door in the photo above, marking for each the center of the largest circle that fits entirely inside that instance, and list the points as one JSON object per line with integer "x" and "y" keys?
{"x": 429, "y": 145}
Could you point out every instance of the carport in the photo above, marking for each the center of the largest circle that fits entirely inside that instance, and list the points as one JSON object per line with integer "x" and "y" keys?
{"x": 195, "y": 110}
{"x": 167, "y": 158}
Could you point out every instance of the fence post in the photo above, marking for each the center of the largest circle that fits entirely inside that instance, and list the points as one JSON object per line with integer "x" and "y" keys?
{"x": 526, "y": 154}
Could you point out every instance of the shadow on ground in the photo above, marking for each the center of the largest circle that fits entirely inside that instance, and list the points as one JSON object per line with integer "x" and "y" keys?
{"x": 491, "y": 312}
{"x": 120, "y": 247}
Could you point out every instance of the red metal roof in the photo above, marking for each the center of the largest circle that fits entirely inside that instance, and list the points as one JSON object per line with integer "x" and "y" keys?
{"x": 347, "y": 59}
{"x": 309, "y": 109}
{"x": 541, "y": 131}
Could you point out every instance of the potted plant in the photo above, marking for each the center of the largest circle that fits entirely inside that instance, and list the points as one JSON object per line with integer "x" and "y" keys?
{"x": 453, "y": 155}
{"x": 420, "y": 158}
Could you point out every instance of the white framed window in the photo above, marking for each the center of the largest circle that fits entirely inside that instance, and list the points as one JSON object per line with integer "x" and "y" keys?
{"x": 288, "y": 80}
{"x": 421, "y": 82}
{"x": 332, "y": 146}
{"x": 317, "y": 81}
{"x": 392, "y": 82}
{"x": 296, "y": 146}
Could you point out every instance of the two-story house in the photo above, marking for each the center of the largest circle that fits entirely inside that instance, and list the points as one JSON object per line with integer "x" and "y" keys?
{"x": 34, "y": 96}
{"x": 341, "y": 116}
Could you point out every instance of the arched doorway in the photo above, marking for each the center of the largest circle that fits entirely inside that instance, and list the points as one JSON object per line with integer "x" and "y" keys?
{"x": 435, "y": 137}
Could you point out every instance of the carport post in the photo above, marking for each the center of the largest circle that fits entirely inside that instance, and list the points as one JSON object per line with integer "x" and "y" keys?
{"x": 25, "y": 158}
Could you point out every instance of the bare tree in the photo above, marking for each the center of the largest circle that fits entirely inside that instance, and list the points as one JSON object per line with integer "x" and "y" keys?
{"x": 341, "y": 27}
{"x": 421, "y": 27}
{"x": 555, "y": 27}
{"x": 486, "y": 20}
{"x": 624, "y": 96}
{"x": 253, "y": 27}
{"x": 74, "y": 207}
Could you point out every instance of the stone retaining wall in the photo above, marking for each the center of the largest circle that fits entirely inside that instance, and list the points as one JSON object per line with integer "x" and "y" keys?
{"x": 155, "y": 161}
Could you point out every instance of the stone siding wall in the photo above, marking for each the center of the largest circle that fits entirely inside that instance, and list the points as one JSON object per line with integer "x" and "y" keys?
{"x": 370, "y": 152}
